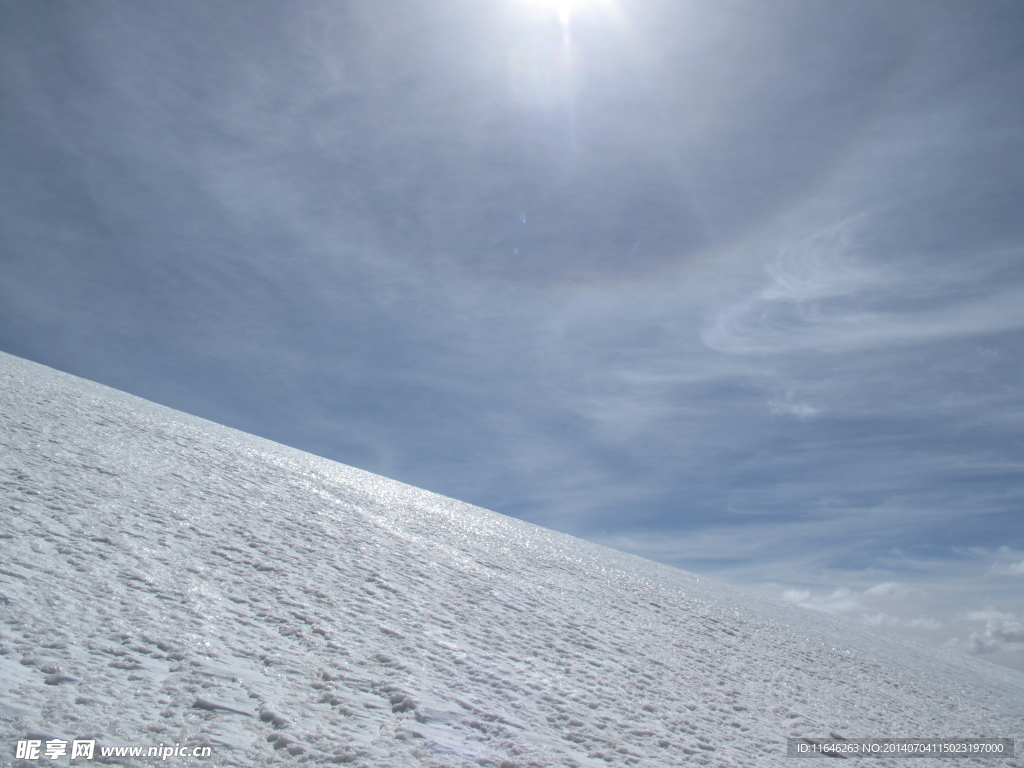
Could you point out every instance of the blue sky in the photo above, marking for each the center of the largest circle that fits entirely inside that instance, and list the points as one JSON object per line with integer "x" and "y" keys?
{"x": 737, "y": 286}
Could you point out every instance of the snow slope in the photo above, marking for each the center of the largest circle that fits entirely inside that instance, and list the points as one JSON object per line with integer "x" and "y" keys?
{"x": 166, "y": 580}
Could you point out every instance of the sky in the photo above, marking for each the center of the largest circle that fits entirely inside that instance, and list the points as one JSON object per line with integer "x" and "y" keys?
{"x": 736, "y": 286}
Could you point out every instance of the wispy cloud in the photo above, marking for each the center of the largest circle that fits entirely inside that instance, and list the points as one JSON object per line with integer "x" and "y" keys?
{"x": 831, "y": 292}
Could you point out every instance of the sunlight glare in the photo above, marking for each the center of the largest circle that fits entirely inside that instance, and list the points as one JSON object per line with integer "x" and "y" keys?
{"x": 565, "y": 8}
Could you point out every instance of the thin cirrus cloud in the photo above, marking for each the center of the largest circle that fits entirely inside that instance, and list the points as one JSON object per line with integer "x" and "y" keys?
{"x": 1010, "y": 569}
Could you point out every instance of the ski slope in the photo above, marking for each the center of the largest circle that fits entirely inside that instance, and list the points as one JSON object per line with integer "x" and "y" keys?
{"x": 168, "y": 581}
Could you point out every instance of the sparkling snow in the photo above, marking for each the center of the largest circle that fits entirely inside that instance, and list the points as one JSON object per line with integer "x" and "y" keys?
{"x": 166, "y": 580}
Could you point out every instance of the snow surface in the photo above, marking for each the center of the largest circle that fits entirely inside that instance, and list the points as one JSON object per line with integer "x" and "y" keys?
{"x": 166, "y": 580}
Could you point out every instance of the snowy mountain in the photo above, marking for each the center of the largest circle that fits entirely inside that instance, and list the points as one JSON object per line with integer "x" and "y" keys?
{"x": 170, "y": 582}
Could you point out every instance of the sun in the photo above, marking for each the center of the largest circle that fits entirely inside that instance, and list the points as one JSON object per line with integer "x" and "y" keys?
{"x": 565, "y": 8}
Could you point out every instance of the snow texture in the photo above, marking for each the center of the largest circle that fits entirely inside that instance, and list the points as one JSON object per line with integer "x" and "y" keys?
{"x": 166, "y": 580}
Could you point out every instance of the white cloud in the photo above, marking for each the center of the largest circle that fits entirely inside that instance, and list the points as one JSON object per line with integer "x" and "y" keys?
{"x": 883, "y": 619}
{"x": 988, "y": 614}
{"x": 939, "y": 599}
{"x": 1006, "y": 562}
{"x": 810, "y": 284}
{"x": 999, "y": 635}
{"x": 840, "y": 600}
{"x": 802, "y": 410}
{"x": 825, "y": 292}
{"x": 864, "y": 605}
{"x": 1009, "y": 569}
{"x": 893, "y": 590}
{"x": 1003, "y": 631}
{"x": 1008, "y": 631}
{"x": 797, "y": 596}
